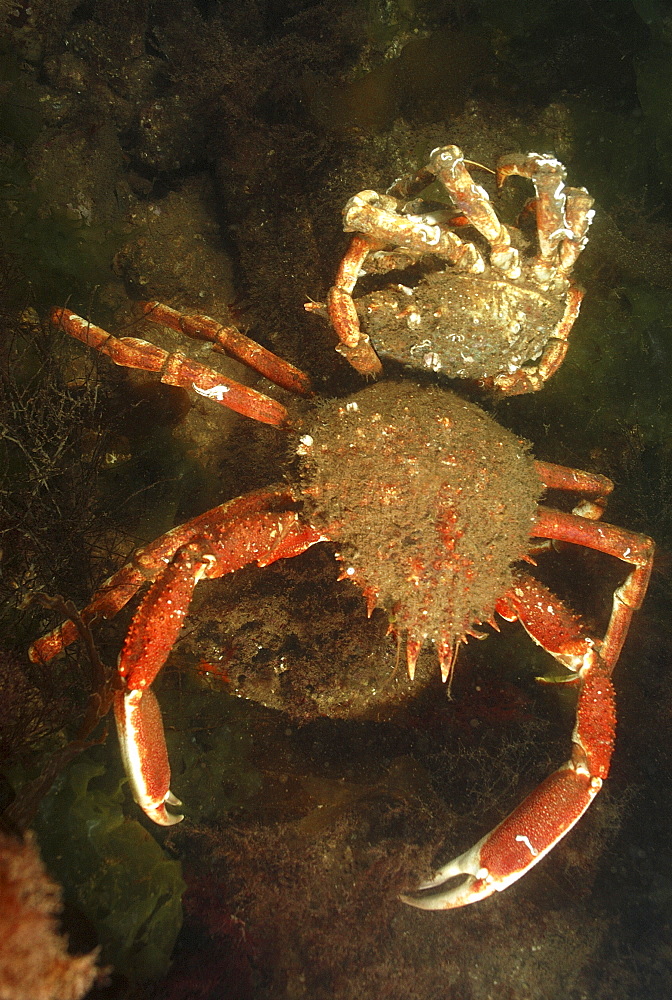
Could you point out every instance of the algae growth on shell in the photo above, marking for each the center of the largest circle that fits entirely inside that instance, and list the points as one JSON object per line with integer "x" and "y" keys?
{"x": 429, "y": 500}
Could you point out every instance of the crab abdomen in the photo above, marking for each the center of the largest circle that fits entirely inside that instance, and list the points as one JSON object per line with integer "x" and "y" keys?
{"x": 429, "y": 500}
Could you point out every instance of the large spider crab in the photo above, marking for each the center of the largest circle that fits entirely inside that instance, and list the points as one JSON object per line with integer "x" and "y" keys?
{"x": 487, "y": 310}
{"x": 433, "y": 507}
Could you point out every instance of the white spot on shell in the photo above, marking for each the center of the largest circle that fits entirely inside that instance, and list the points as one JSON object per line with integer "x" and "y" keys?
{"x": 216, "y": 392}
{"x": 305, "y": 444}
{"x": 526, "y": 840}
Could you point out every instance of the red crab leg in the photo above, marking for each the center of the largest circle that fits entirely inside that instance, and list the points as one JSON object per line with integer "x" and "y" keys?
{"x": 543, "y": 818}
{"x": 147, "y": 562}
{"x": 263, "y": 538}
{"x": 531, "y": 378}
{"x": 594, "y": 488}
{"x": 234, "y": 343}
{"x": 376, "y": 215}
{"x": 631, "y": 547}
{"x": 552, "y": 809}
{"x": 579, "y": 214}
{"x": 354, "y": 345}
{"x": 561, "y": 477}
{"x": 174, "y": 369}
{"x": 252, "y": 528}
{"x": 553, "y": 228}
{"x": 548, "y": 176}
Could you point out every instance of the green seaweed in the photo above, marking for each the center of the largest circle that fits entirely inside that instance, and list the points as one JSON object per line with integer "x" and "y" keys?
{"x": 112, "y": 869}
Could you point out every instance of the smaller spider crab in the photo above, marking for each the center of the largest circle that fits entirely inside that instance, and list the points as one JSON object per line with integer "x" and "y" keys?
{"x": 434, "y": 511}
{"x": 485, "y": 310}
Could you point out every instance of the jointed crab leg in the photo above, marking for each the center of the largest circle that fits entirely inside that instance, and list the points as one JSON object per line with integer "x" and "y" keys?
{"x": 377, "y": 221}
{"x": 262, "y": 539}
{"x": 257, "y": 528}
{"x": 234, "y": 343}
{"x": 354, "y": 345}
{"x": 447, "y": 163}
{"x": 174, "y": 369}
{"x": 377, "y": 216}
{"x": 552, "y": 809}
{"x": 147, "y": 562}
{"x": 531, "y": 378}
{"x": 629, "y": 546}
{"x": 536, "y": 825}
{"x": 563, "y": 214}
{"x": 579, "y": 214}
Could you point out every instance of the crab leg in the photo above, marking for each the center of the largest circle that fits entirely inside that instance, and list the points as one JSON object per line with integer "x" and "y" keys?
{"x": 232, "y": 342}
{"x": 149, "y": 561}
{"x": 376, "y": 220}
{"x": 629, "y": 546}
{"x": 552, "y": 809}
{"x": 174, "y": 369}
{"x": 579, "y": 214}
{"x": 247, "y": 530}
{"x": 354, "y": 345}
{"x": 531, "y": 378}
{"x": 560, "y": 477}
{"x": 378, "y": 217}
{"x": 563, "y": 214}
{"x": 156, "y": 625}
{"x": 543, "y": 818}
{"x": 447, "y": 163}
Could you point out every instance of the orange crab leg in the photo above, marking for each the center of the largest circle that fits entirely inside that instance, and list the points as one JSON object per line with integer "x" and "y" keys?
{"x": 257, "y": 527}
{"x": 543, "y": 818}
{"x": 629, "y": 546}
{"x": 563, "y": 214}
{"x": 531, "y": 378}
{"x": 552, "y": 809}
{"x": 353, "y": 344}
{"x": 234, "y": 343}
{"x": 148, "y": 562}
{"x": 448, "y": 164}
{"x": 561, "y": 477}
{"x": 263, "y": 538}
{"x": 174, "y": 369}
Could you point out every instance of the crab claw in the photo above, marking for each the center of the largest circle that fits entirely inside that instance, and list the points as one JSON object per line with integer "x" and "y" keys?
{"x": 516, "y": 845}
{"x": 143, "y": 748}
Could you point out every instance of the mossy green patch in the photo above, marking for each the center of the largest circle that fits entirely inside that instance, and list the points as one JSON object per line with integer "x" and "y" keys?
{"x": 112, "y": 870}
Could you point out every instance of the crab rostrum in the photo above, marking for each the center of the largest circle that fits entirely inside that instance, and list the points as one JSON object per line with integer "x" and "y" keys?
{"x": 433, "y": 510}
{"x": 490, "y": 308}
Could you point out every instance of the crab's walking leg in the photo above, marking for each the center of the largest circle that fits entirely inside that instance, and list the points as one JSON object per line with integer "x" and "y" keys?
{"x": 563, "y": 214}
{"x": 147, "y": 562}
{"x": 447, "y": 163}
{"x": 377, "y": 221}
{"x": 531, "y": 378}
{"x": 552, "y": 809}
{"x": 579, "y": 213}
{"x": 232, "y": 342}
{"x": 376, "y": 216}
{"x": 174, "y": 369}
{"x": 629, "y": 546}
{"x": 263, "y": 539}
{"x": 248, "y": 530}
{"x": 354, "y": 345}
